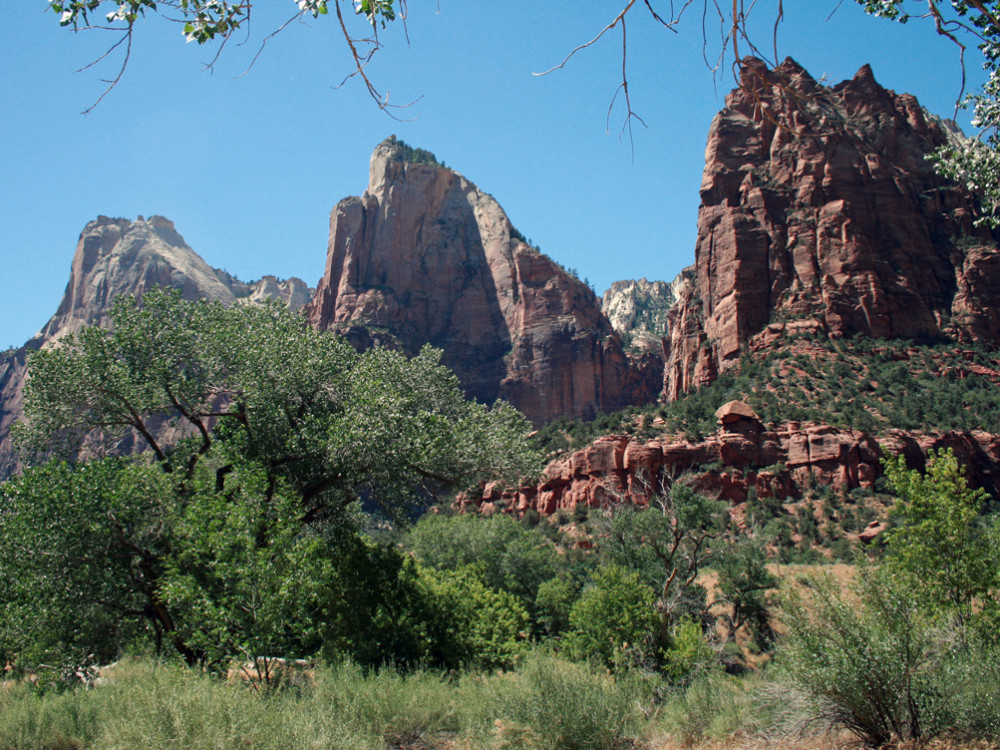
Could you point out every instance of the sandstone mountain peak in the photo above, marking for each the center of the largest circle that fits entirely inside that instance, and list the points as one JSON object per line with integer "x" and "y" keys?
{"x": 820, "y": 211}
{"x": 118, "y": 256}
{"x": 424, "y": 256}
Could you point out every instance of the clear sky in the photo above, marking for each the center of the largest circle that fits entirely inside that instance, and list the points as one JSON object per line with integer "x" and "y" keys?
{"x": 249, "y": 167}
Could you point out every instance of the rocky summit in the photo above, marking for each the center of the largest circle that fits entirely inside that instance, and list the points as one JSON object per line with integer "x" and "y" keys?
{"x": 638, "y": 309}
{"x": 425, "y": 257}
{"x": 821, "y": 212}
{"x": 115, "y": 257}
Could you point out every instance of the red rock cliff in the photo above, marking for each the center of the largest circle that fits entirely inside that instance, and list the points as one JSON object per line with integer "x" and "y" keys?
{"x": 425, "y": 257}
{"x": 778, "y": 462}
{"x": 819, "y": 206}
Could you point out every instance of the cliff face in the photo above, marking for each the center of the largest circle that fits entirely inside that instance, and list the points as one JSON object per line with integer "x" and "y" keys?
{"x": 820, "y": 211}
{"x": 114, "y": 257}
{"x": 637, "y": 310}
{"x": 425, "y": 257}
{"x": 779, "y": 462}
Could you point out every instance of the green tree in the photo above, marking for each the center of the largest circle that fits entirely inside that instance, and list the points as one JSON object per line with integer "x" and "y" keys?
{"x": 554, "y": 603}
{"x": 940, "y": 540}
{"x": 510, "y": 556}
{"x": 476, "y": 626}
{"x": 289, "y": 433}
{"x": 615, "y": 620}
{"x": 81, "y": 560}
{"x": 744, "y": 582}
{"x": 668, "y": 544}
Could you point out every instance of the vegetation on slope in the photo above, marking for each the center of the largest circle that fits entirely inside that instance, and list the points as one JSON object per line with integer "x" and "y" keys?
{"x": 865, "y": 384}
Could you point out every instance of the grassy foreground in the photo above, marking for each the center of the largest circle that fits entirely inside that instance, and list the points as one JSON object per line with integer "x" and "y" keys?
{"x": 546, "y": 704}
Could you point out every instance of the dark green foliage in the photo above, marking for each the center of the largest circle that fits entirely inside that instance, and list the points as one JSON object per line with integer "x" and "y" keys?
{"x": 554, "y": 602}
{"x": 80, "y": 560}
{"x": 615, "y": 622}
{"x": 744, "y": 582}
{"x": 509, "y": 555}
{"x": 357, "y": 600}
{"x": 668, "y": 544}
{"x": 863, "y": 384}
{"x": 412, "y": 155}
{"x": 475, "y": 626}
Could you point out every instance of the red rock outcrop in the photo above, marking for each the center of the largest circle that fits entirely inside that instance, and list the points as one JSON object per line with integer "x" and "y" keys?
{"x": 425, "y": 257}
{"x": 118, "y": 256}
{"x": 778, "y": 462}
{"x": 819, "y": 207}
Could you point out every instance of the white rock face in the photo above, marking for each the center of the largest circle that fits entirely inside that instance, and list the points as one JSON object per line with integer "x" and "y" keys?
{"x": 294, "y": 292}
{"x": 638, "y": 310}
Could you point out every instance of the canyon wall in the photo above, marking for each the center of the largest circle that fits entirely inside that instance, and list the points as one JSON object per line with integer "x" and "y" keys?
{"x": 819, "y": 208}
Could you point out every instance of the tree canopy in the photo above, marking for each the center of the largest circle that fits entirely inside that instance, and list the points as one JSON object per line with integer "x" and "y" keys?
{"x": 236, "y": 530}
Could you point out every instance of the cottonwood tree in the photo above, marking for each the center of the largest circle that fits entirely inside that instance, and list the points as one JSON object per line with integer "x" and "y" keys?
{"x": 265, "y": 441}
{"x": 941, "y": 539}
{"x": 668, "y": 543}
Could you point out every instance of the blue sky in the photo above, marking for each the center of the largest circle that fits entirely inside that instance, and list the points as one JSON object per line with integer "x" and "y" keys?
{"x": 249, "y": 167}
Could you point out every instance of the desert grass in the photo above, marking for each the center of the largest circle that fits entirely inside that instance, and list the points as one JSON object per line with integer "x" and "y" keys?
{"x": 547, "y": 704}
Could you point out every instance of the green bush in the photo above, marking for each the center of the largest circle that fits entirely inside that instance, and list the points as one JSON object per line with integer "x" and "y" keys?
{"x": 614, "y": 621}
{"x": 385, "y": 706}
{"x": 474, "y": 626}
{"x": 880, "y": 667}
{"x": 689, "y": 654}
{"x": 511, "y": 556}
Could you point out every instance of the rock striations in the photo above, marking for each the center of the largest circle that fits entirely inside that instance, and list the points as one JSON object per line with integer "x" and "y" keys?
{"x": 425, "y": 257}
{"x": 820, "y": 211}
{"x": 118, "y": 256}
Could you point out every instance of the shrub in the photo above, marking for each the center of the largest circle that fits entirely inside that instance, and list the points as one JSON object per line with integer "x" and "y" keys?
{"x": 689, "y": 654}
{"x": 879, "y": 667}
{"x": 614, "y": 621}
{"x": 474, "y": 625}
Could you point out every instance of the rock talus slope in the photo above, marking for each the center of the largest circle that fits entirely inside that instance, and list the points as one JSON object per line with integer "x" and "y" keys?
{"x": 425, "y": 257}
{"x": 819, "y": 209}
